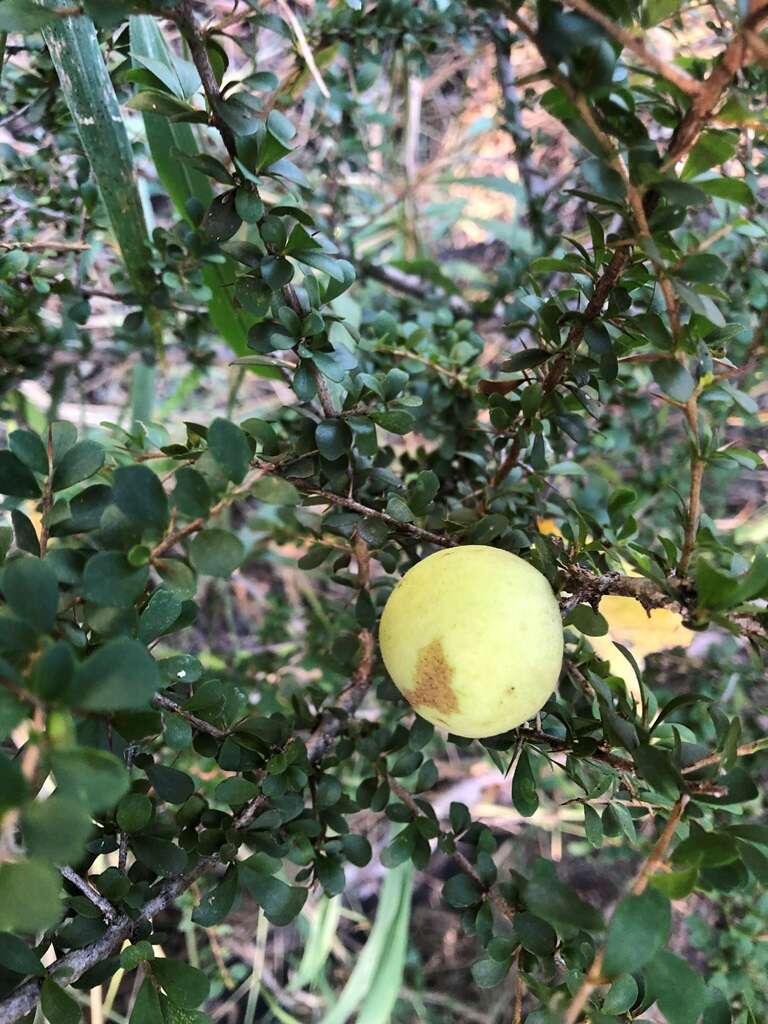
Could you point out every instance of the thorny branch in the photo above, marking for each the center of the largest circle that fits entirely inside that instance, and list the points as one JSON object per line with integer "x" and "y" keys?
{"x": 462, "y": 862}
{"x": 108, "y": 912}
{"x": 656, "y": 858}
{"x": 705, "y": 98}
{"x": 73, "y": 965}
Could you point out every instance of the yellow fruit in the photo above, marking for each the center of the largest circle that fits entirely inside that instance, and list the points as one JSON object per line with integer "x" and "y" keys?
{"x": 472, "y": 637}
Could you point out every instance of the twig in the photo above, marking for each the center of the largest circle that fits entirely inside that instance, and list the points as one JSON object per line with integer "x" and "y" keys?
{"x": 657, "y": 856}
{"x": 303, "y": 45}
{"x": 184, "y": 17}
{"x": 463, "y": 863}
{"x": 173, "y": 538}
{"x": 373, "y": 513}
{"x": 323, "y": 394}
{"x": 403, "y": 353}
{"x": 47, "y": 501}
{"x": 517, "y": 1017}
{"x": 108, "y": 912}
{"x": 745, "y": 750}
{"x": 693, "y": 515}
{"x": 166, "y": 704}
{"x": 56, "y": 245}
{"x": 330, "y": 724}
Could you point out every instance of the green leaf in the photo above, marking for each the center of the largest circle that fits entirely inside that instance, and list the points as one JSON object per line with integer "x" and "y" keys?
{"x": 525, "y": 359}
{"x": 333, "y": 439}
{"x": 330, "y": 874}
{"x": 535, "y": 934}
{"x": 216, "y": 553}
{"x": 587, "y": 621}
{"x": 236, "y": 791}
{"x": 170, "y": 784}
{"x": 702, "y": 267}
{"x": 180, "y": 77}
{"x": 676, "y": 987}
{"x": 29, "y": 896}
{"x": 249, "y": 205}
{"x": 713, "y": 148}
{"x": 157, "y": 102}
{"x": 460, "y": 817}
{"x": 461, "y": 891}
{"x": 715, "y": 588}
{"x": 80, "y": 462}
{"x": 160, "y": 613}
{"x": 524, "y": 795}
{"x": 185, "y": 985}
{"x": 160, "y": 855}
{"x": 134, "y": 812}
{"x": 24, "y": 533}
{"x": 656, "y": 765}
{"x": 222, "y": 221}
{"x": 57, "y": 1005}
{"x": 400, "y": 849}
{"x": 676, "y": 885}
{"x": 396, "y": 421}
{"x": 674, "y": 379}
{"x": 118, "y": 676}
{"x": 229, "y": 447}
{"x": 16, "y": 956}
{"x": 147, "y": 1009}
{"x": 356, "y": 849}
{"x": 217, "y": 902}
{"x": 593, "y": 826}
{"x": 551, "y": 899}
{"x": 706, "y": 849}
{"x": 13, "y": 788}
{"x": 28, "y": 447}
{"x": 280, "y": 902}
{"x": 32, "y": 591}
{"x": 23, "y": 16}
{"x": 191, "y": 495}
{"x": 639, "y": 927}
{"x": 16, "y": 479}
{"x": 133, "y": 955}
{"x": 184, "y": 182}
{"x": 376, "y": 979}
{"x": 489, "y": 973}
{"x": 621, "y": 996}
{"x": 56, "y": 829}
{"x": 735, "y": 190}
{"x": 94, "y": 777}
{"x": 111, "y": 581}
{"x": 275, "y": 491}
{"x": 139, "y": 495}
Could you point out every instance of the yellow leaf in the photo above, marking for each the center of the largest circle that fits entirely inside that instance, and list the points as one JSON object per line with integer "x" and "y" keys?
{"x": 630, "y": 625}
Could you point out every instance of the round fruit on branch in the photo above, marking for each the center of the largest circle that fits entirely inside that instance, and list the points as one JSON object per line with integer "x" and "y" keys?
{"x": 472, "y": 637}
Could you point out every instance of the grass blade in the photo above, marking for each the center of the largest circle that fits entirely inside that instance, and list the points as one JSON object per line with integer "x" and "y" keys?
{"x": 391, "y": 916}
{"x": 90, "y": 96}
{"x": 320, "y": 935}
{"x": 386, "y": 985}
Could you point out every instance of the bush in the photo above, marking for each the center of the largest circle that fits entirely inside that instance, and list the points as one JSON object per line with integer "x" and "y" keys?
{"x": 586, "y": 395}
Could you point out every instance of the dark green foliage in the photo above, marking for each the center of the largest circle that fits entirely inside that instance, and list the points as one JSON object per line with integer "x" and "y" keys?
{"x": 563, "y": 403}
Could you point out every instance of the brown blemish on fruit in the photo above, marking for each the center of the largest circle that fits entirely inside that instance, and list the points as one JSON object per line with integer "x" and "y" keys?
{"x": 434, "y": 681}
